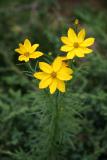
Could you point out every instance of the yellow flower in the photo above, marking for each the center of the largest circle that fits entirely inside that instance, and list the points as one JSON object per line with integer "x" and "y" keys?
{"x": 75, "y": 44}
{"x": 54, "y": 75}
{"x": 28, "y": 51}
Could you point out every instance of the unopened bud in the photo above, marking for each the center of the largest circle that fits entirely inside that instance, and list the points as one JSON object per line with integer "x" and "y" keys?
{"x": 76, "y": 22}
{"x": 50, "y": 53}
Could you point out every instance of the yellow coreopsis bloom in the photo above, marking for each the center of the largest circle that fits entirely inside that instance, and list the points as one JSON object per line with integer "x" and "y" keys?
{"x": 54, "y": 75}
{"x": 28, "y": 51}
{"x": 76, "y": 44}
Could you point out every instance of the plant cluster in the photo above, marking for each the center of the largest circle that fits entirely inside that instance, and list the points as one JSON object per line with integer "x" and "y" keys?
{"x": 53, "y": 75}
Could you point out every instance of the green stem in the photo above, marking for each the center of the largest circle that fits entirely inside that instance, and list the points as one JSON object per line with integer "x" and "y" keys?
{"x": 30, "y": 67}
{"x": 53, "y": 154}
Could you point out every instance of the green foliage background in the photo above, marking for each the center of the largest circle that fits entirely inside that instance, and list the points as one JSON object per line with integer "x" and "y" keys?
{"x": 28, "y": 129}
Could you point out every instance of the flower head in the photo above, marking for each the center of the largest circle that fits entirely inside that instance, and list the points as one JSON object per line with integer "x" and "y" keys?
{"x": 76, "y": 44}
{"x": 28, "y": 51}
{"x": 54, "y": 75}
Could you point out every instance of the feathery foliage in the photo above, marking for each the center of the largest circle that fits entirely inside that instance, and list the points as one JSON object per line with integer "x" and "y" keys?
{"x": 32, "y": 124}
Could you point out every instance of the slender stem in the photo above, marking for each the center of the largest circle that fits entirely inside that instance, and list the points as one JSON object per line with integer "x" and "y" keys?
{"x": 36, "y": 66}
{"x": 53, "y": 154}
{"x": 30, "y": 67}
{"x": 6, "y": 152}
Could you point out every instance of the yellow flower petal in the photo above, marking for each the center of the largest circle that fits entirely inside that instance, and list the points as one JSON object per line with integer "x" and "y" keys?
{"x": 18, "y": 50}
{"x": 53, "y": 86}
{"x": 68, "y": 70}
{"x": 87, "y": 50}
{"x": 79, "y": 52}
{"x": 26, "y": 59}
{"x": 41, "y": 75}
{"x": 81, "y": 35}
{"x": 23, "y": 58}
{"x": 44, "y": 83}
{"x": 61, "y": 85}
{"x": 23, "y": 49}
{"x": 71, "y": 54}
{"x": 36, "y": 54}
{"x": 57, "y": 64}
{"x": 87, "y": 42}
{"x": 45, "y": 67}
{"x": 65, "y": 40}
{"x": 34, "y": 47}
{"x": 66, "y": 48}
{"x": 63, "y": 58}
{"x": 72, "y": 35}
{"x": 63, "y": 75}
{"x": 27, "y": 44}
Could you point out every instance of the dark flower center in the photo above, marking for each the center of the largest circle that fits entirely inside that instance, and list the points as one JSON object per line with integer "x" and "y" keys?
{"x": 76, "y": 45}
{"x": 26, "y": 54}
{"x": 53, "y": 74}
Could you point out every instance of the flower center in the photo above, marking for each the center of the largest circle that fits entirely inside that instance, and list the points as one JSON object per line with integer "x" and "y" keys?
{"x": 26, "y": 54}
{"x": 76, "y": 45}
{"x": 53, "y": 74}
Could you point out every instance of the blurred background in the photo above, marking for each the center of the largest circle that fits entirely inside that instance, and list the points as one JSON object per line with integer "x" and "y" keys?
{"x": 43, "y": 22}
